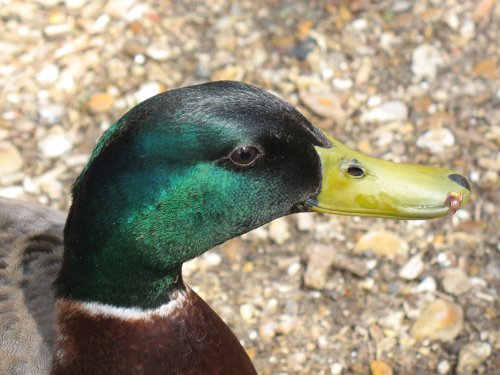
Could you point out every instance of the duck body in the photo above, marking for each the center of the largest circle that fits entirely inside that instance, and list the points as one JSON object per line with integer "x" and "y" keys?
{"x": 31, "y": 250}
{"x": 177, "y": 175}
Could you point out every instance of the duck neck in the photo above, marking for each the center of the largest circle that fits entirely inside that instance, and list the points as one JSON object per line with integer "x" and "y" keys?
{"x": 106, "y": 280}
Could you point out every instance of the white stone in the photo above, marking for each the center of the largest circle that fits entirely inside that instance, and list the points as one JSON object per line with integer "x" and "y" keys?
{"x": 427, "y": 285}
{"x": 137, "y": 12}
{"x": 293, "y": 268}
{"x": 455, "y": 281}
{"x": 471, "y": 356}
{"x": 336, "y": 369}
{"x": 359, "y": 24}
{"x": 412, "y": 269}
{"x": 443, "y": 260}
{"x": 402, "y": 6}
{"x": 468, "y": 29}
{"x": 323, "y": 342}
{"x": 474, "y": 176}
{"x": 158, "y": 53}
{"x": 443, "y": 367}
{"x": 210, "y": 259}
{"x": 10, "y": 158}
{"x": 48, "y": 3}
{"x": 436, "y": 140}
{"x": 55, "y": 143}
{"x": 452, "y": 20}
{"x": 342, "y": 84}
{"x": 47, "y": 75}
{"x": 14, "y": 192}
{"x": 30, "y": 186}
{"x": 57, "y": 30}
{"x": 259, "y": 234}
{"x": 51, "y": 113}
{"x": 74, "y": 4}
{"x": 147, "y": 90}
{"x": 267, "y": 331}
{"x": 287, "y": 324}
{"x": 426, "y": 60}
{"x": 278, "y": 231}
{"x": 247, "y": 311}
{"x": 100, "y": 24}
{"x": 305, "y": 222}
{"x": 390, "y": 111}
{"x": 393, "y": 320}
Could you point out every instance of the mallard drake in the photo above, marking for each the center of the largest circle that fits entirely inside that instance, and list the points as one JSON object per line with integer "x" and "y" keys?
{"x": 178, "y": 174}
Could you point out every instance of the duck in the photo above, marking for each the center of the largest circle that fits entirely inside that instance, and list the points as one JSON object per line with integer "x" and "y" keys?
{"x": 100, "y": 290}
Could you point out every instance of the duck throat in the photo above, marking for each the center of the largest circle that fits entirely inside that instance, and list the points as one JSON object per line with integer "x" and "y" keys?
{"x": 122, "y": 285}
{"x": 183, "y": 336}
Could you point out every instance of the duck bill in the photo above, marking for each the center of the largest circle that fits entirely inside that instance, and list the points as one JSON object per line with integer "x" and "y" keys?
{"x": 359, "y": 185}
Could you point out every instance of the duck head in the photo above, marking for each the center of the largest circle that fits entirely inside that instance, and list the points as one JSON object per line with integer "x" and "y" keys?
{"x": 191, "y": 168}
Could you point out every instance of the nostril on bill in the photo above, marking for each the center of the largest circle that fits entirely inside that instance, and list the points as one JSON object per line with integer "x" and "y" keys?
{"x": 461, "y": 180}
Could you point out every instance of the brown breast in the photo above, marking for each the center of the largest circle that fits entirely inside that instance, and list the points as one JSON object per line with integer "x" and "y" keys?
{"x": 191, "y": 339}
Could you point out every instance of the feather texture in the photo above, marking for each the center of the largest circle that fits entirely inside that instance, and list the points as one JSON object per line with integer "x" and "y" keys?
{"x": 30, "y": 257}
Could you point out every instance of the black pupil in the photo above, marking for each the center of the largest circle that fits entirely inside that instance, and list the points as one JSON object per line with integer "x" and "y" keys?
{"x": 244, "y": 155}
{"x": 355, "y": 171}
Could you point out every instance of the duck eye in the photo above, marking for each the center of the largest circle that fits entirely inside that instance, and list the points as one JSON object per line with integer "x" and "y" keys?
{"x": 244, "y": 155}
{"x": 355, "y": 171}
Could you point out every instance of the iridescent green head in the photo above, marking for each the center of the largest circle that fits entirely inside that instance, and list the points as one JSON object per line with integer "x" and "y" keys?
{"x": 180, "y": 173}
{"x": 193, "y": 167}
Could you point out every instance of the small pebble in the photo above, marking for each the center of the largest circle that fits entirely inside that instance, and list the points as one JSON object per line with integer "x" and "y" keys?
{"x": 51, "y": 113}
{"x": 436, "y": 140}
{"x": 258, "y": 235}
{"x": 278, "y": 231}
{"x": 380, "y": 368}
{"x": 382, "y": 243}
{"x": 158, "y": 53}
{"x": 443, "y": 367}
{"x": 247, "y": 311}
{"x": 147, "y": 90}
{"x": 412, "y": 269}
{"x": 55, "y": 143}
{"x": 74, "y": 4}
{"x": 210, "y": 259}
{"x": 440, "y": 320}
{"x": 57, "y": 30}
{"x": 455, "y": 281}
{"x": 267, "y": 331}
{"x": 387, "y": 112}
{"x": 287, "y": 325}
{"x": 305, "y": 222}
{"x": 428, "y": 284}
{"x": 426, "y": 60}
{"x": 327, "y": 105}
{"x": 336, "y": 369}
{"x": 10, "y": 158}
{"x": 468, "y": 29}
{"x": 342, "y": 84}
{"x": 393, "y": 320}
{"x": 296, "y": 360}
{"x": 48, "y": 75}
{"x": 471, "y": 356}
{"x": 323, "y": 342}
{"x": 13, "y": 192}
{"x": 318, "y": 266}
{"x": 100, "y": 102}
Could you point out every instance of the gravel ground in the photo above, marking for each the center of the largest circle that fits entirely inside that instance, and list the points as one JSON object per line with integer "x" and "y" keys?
{"x": 415, "y": 81}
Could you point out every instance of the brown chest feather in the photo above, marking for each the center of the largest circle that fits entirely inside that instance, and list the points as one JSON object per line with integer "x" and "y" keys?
{"x": 192, "y": 339}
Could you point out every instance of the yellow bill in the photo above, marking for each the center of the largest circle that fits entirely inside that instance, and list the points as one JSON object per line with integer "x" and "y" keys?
{"x": 356, "y": 184}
